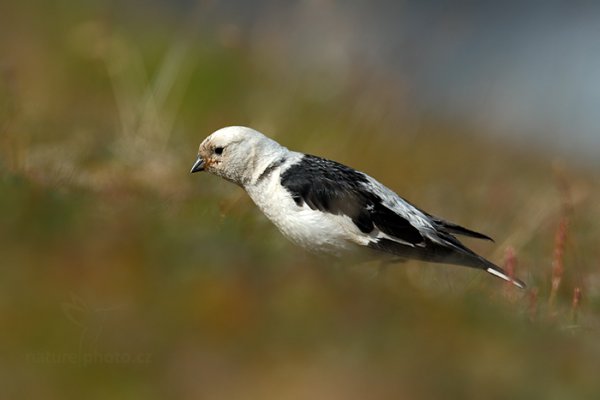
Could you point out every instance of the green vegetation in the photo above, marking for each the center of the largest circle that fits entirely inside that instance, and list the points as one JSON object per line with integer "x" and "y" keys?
{"x": 125, "y": 277}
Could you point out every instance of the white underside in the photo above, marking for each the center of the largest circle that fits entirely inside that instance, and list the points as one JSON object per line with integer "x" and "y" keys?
{"x": 314, "y": 230}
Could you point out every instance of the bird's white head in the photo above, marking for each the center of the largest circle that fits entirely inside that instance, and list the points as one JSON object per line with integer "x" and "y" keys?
{"x": 236, "y": 153}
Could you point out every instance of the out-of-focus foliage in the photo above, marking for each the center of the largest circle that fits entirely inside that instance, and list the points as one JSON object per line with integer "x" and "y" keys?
{"x": 122, "y": 276}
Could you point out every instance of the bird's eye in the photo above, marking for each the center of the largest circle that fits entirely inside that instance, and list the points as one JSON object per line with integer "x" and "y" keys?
{"x": 218, "y": 150}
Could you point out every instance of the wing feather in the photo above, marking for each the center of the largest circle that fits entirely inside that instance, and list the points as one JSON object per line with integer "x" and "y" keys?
{"x": 331, "y": 187}
{"x": 392, "y": 224}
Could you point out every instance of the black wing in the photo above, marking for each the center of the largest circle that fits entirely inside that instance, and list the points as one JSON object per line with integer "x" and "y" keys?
{"x": 334, "y": 188}
{"x": 457, "y": 229}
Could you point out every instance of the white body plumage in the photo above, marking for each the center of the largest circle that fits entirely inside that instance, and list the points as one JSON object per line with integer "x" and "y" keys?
{"x": 328, "y": 207}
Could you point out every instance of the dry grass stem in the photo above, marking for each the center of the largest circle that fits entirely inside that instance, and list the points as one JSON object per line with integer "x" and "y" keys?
{"x": 558, "y": 268}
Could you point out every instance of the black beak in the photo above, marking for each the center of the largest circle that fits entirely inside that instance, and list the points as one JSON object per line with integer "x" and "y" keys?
{"x": 198, "y": 165}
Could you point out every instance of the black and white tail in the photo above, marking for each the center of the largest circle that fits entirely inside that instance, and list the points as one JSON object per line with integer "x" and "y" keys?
{"x": 497, "y": 271}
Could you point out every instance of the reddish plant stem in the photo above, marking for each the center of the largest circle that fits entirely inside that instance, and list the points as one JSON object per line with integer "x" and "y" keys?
{"x": 533, "y": 300}
{"x": 575, "y": 304}
{"x": 558, "y": 259}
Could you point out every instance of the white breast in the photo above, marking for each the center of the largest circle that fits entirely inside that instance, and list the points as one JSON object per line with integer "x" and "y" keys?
{"x": 312, "y": 229}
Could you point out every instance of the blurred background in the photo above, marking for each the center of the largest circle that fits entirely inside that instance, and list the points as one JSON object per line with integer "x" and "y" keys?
{"x": 123, "y": 276}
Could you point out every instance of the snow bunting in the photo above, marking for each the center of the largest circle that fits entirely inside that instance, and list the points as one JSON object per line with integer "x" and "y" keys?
{"x": 327, "y": 207}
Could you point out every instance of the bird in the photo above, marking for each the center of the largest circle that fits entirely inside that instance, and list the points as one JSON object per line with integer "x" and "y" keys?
{"x": 329, "y": 208}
